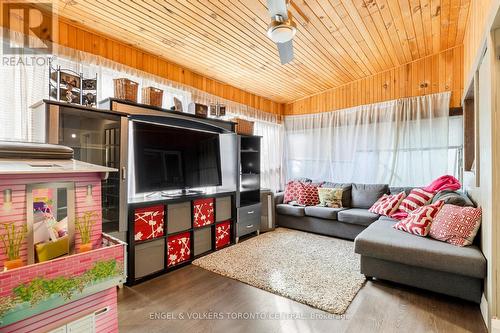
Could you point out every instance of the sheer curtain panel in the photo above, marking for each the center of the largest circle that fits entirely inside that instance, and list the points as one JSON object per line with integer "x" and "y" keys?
{"x": 403, "y": 142}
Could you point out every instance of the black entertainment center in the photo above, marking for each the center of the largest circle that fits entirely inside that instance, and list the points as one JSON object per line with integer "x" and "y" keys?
{"x": 248, "y": 194}
{"x": 187, "y": 185}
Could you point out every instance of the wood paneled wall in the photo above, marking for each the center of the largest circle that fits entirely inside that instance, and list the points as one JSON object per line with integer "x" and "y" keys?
{"x": 80, "y": 38}
{"x": 437, "y": 73}
{"x": 480, "y": 12}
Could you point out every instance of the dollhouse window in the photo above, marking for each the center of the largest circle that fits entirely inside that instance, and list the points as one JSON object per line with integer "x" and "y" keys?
{"x": 50, "y": 212}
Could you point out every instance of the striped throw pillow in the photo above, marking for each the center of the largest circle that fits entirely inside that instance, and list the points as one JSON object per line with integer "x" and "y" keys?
{"x": 417, "y": 198}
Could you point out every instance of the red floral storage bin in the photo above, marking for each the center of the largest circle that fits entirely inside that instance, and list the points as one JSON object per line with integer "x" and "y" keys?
{"x": 178, "y": 249}
{"x": 222, "y": 234}
{"x": 203, "y": 210}
{"x": 148, "y": 222}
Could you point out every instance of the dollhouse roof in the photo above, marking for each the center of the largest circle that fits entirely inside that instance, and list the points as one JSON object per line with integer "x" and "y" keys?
{"x": 18, "y": 167}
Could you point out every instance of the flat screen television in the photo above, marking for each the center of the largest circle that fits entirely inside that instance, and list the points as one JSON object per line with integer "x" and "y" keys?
{"x": 168, "y": 158}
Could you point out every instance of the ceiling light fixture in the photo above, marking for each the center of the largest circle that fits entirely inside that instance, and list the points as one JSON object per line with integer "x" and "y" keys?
{"x": 281, "y": 30}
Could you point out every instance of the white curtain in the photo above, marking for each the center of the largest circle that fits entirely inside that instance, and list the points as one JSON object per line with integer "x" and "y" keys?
{"x": 24, "y": 81}
{"x": 403, "y": 142}
{"x": 272, "y": 154}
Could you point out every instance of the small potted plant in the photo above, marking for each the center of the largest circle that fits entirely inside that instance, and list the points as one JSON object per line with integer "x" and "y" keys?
{"x": 12, "y": 239}
{"x": 84, "y": 226}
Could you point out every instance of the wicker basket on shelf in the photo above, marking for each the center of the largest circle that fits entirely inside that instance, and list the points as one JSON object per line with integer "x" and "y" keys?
{"x": 126, "y": 89}
{"x": 152, "y": 96}
{"x": 243, "y": 126}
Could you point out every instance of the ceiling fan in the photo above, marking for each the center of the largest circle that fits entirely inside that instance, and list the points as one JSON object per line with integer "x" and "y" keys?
{"x": 282, "y": 28}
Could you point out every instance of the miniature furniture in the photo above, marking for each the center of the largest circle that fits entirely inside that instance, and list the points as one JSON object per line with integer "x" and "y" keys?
{"x": 64, "y": 272}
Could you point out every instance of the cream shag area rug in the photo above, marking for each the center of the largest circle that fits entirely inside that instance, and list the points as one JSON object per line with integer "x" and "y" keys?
{"x": 320, "y": 271}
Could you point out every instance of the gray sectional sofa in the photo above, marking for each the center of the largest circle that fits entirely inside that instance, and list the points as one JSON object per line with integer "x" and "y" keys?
{"x": 349, "y": 222}
{"x": 385, "y": 252}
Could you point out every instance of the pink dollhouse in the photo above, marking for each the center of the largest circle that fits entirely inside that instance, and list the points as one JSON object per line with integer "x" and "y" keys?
{"x": 57, "y": 269}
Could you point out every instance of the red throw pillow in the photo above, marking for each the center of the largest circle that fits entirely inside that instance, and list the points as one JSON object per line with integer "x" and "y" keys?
{"x": 456, "y": 225}
{"x": 292, "y": 190}
{"x": 416, "y": 198}
{"x": 387, "y": 204}
{"x": 308, "y": 195}
{"x": 419, "y": 221}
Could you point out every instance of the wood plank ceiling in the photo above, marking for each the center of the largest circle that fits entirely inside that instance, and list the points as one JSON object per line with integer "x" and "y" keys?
{"x": 338, "y": 41}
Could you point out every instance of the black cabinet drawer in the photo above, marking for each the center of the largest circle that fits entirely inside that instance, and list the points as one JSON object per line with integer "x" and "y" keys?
{"x": 248, "y": 226}
{"x": 249, "y": 212}
{"x": 248, "y": 219}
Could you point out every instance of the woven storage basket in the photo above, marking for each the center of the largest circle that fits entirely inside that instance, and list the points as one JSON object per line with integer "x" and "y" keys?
{"x": 126, "y": 89}
{"x": 152, "y": 96}
{"x": 243, "y": 126}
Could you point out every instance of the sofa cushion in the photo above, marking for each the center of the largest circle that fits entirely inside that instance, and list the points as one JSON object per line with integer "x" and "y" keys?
{"x": 365, "y": 195}
{"x": 387, "y": 204}
{"x": 399, "y": 189}
{"x": 346, "y": 191}
{"x": 308, "y": 194}
{"x": 417, "y": 198}
{"x": 419, "y": 221}
{"x": 286, "y": 209}
{"x": 388, "y": 219}
{"x": 292, "y": 190}
{"x": 357, "y": 216}
{"x": 330, "y": 197}
{"x": 380, "y": 240}
{"x": 323, "y": 212}
{"x": 453, "y": 198}
{"x": 456, "y": 225}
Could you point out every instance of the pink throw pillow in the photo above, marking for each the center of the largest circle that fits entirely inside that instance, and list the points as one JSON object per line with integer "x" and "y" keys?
{"x": 420, "y": 220}
{"x": 387, "y": 204}
{"x": 308, "y": 194}
{"x": 456, "y": 225}
{"x": 416, "y": 198}
{"x": 292, "y": 190}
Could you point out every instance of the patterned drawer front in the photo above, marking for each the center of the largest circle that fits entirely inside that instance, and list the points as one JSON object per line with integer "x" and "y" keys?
{"x": 203, "y": 210}
{"x": 222, "y": 234}
{"x": 178, "y": 249}
{"x": 223, "y": 209}
{"x": 148, "y": 222}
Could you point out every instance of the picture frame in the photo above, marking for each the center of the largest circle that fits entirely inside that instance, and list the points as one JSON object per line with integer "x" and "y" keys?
{"x": 177, "y": 104}
{"x": 70, "y": 79}
{"x": 89, "y": 84}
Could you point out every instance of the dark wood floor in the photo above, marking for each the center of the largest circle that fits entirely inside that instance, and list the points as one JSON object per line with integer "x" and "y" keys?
{"x": 378, "y": 307}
